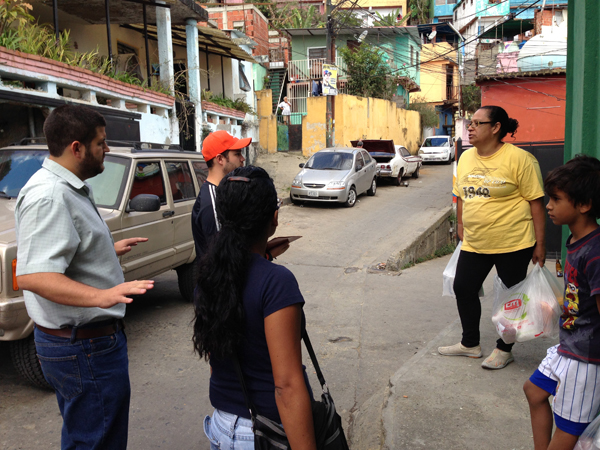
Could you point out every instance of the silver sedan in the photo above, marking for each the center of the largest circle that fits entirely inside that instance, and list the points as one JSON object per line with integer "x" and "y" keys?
{"x": 335, "y": 175}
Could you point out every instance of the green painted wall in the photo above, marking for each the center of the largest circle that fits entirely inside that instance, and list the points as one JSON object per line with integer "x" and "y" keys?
{"x": 582, "y": 124}
{"x": 258, "y": 75}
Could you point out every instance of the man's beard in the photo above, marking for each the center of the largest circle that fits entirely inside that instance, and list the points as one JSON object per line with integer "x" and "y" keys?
{"x": 90, "y": 167}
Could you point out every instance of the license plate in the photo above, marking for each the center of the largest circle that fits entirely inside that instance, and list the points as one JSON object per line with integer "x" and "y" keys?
{"x": 313, "y": 194}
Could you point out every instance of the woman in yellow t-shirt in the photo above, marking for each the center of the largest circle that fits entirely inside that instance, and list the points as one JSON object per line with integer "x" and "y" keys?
{"x": 501, "y": 222}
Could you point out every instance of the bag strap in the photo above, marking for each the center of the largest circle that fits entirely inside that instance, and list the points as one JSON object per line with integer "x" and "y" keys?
{"x": 240, "y": 374}
{"x": 315, "y": 362}
{"x": 313, "y": 358}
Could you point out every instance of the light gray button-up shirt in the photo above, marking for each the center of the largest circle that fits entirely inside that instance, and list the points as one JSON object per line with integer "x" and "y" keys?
{"x": 60, "y": 230}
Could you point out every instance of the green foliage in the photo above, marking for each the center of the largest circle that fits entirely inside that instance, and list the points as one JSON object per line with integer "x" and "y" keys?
{"x": 418, "y": 11}
{"x": 368, "y": 72}
{"x": 291, "y": 15}
{"x": 389, "y": 20}
{"x": 14, "y": 11}
{"x": 219, "y": 99}
{"x": 429, "y": 116}
{"x": 471, "y": 98}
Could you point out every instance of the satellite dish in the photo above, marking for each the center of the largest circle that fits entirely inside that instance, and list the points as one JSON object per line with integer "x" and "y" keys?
{"x": 432, "y": 35}
{"x": 363, "y": 35}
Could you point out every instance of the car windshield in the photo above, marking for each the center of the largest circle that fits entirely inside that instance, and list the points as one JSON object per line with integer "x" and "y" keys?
{"x": 436, "y": 142}
{"x": 330, "y": 161}
{"x": 108, "y": 187}
{"x": 16, "y": 167}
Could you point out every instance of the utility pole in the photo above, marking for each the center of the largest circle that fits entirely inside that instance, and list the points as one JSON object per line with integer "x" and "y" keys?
{"x": 330, "y": 115}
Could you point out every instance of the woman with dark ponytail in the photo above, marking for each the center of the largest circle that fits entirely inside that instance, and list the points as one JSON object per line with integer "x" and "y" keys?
{"x": 248, "y": 306}
{"x": 501, "y": 222}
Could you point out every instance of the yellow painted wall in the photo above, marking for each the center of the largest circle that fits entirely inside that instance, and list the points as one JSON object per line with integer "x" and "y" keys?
{"x": 359, "y": 117}
{"x": 433, "y": 73}
{"x": 313, "y": 125}
{"x": 267, "y": 130}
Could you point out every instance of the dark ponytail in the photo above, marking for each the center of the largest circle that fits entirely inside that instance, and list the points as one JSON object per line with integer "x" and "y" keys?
{"x": 499, "y": 115}
{"x": 246, "y": 201}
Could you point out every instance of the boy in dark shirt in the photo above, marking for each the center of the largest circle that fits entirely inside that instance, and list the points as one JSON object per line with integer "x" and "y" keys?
{"x": 571, "y": 370}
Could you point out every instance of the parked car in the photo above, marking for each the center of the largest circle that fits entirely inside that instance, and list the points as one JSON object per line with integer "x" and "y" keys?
{"x": 146, "y": 192}
{"x": 335, "y": 175}
{"x": 393, "y": 161}
{"x": 438, "y": 148}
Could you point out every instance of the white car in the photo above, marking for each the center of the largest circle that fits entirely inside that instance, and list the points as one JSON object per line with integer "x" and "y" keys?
{"x": 393, "y": 161}
{"x": 438, "y": 148}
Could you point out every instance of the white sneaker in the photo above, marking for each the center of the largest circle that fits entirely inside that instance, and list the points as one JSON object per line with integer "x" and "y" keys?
{"x": 498, "y": 360}
{"x": 461, "y": 350}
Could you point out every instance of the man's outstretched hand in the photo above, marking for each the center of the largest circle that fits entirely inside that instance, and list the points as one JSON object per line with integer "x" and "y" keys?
{"x": 124, "y": 246}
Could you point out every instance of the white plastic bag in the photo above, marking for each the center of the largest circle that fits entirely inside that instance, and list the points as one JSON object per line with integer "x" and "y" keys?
{"x": 590, "y": 439}
{"x": 529, "y": 309}
{"x": 450, "y": 273}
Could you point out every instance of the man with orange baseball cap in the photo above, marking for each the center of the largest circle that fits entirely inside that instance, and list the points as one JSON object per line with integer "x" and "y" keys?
{"x": 222, "y": 153}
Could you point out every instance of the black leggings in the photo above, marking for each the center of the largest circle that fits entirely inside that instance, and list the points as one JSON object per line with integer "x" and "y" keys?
{"x": 471, "y": 272}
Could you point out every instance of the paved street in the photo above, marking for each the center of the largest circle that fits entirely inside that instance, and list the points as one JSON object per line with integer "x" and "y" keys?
{"x": 366, "y": 328}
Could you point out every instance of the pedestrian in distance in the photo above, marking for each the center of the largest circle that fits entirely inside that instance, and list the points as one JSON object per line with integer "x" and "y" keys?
{"x": 252, "y": 308}
{"x": 570, "y": 372}
{"x": 73, "y": 284}
{"x": 286, "y": 110}
{"x": 500, "y": 221}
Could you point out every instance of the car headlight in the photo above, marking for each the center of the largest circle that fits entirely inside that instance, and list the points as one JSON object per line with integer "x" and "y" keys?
{"x": 336, "y": 185}
{"x": 297, "y": 183}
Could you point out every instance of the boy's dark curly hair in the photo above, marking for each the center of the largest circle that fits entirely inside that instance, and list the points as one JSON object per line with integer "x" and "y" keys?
{"x": 579, "y": 178}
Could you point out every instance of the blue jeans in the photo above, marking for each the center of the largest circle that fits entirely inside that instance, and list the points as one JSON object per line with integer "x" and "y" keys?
{"x": 91, "y": 379}
{"x": 228, "y": 432}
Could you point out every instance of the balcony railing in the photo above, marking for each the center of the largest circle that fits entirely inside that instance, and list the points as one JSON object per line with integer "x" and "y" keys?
{"x": 312, "y": 69}
{"x": 451, "y": 93}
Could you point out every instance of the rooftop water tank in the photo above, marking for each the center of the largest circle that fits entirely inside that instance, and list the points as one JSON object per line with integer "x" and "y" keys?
{"x": 543, "y": 51}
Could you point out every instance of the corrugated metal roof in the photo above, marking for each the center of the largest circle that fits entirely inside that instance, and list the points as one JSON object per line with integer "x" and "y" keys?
{"x": 210, "y": 40}
{"x": 534, "y": 73}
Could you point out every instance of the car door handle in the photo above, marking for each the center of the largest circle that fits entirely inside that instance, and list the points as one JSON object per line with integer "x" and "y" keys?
{"x": 168, "y": 213}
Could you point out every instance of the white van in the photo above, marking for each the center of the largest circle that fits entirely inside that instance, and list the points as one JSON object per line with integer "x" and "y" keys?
{"x": 438, "y": 148}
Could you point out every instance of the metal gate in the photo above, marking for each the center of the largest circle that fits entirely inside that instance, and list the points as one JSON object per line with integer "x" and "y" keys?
{"x": 550, "y": 154}
{"x": 289, "y": 132}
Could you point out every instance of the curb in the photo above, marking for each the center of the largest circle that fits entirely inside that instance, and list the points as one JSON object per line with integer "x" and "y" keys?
{"x": 425, "y": 244}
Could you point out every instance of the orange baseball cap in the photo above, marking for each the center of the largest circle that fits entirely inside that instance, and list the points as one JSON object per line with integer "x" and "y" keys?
{"x": 220, "y": 141}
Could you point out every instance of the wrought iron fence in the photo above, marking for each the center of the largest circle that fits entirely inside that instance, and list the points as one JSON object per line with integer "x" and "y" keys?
{"x": 312, "y": 69}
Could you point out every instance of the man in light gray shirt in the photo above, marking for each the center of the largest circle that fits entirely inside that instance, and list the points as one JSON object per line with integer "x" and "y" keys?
{"x": 74, "y": 289}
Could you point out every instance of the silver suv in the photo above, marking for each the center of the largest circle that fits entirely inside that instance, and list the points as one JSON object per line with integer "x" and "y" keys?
{"x": 144, "y": 191}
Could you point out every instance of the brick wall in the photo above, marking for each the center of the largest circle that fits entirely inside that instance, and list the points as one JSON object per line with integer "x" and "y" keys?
{"x": 542, "y": 18}
{"x": 256, "y": 28}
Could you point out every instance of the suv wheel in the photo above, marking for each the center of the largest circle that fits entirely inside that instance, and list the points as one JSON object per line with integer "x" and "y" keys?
{"x": 26, "y": 362}
{"x": 416, "y": 173}
{"x": 187, "y": 277}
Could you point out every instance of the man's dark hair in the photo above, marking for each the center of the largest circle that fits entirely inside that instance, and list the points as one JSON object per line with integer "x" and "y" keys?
{"x": 70, "y": 123}
{"x": 211, "y": 162}
{"x": 579, "y": 178}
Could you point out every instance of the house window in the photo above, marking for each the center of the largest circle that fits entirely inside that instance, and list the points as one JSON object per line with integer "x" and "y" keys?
{"x": 124, "y": 49}
{"x": 440, "y": 2}
{"x": 451, "y": 2}
{"x": 317, "y": 52}
{"x": 464, "y": 4}
{"x": 244, "y": 84}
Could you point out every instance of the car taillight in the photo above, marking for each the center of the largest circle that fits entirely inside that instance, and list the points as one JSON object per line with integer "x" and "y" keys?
{"x": 14, "y": 275}
{"x": 388, "y": 167}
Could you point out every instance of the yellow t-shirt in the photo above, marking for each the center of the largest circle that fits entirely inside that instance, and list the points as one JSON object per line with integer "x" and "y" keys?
{"x": 495, "y": 192}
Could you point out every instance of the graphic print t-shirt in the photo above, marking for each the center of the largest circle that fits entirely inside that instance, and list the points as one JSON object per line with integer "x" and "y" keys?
{"x": 580, "y": 320}
{"x": 495, "y": 193}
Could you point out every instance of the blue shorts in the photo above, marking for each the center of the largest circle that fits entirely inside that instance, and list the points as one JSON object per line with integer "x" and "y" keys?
{"x": 573, "y": 385}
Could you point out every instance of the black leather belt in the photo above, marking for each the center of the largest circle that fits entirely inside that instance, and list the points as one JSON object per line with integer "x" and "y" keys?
{"x": 88, "y": 331}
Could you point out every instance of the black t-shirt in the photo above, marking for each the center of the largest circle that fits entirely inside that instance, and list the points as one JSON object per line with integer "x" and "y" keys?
{"x": 270, "y": 288}
{"x": 204, "y": 218}
{"x": 580, "y": 320}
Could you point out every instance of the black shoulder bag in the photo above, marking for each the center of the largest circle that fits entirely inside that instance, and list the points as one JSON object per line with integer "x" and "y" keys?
{"x": 269, "y": 435}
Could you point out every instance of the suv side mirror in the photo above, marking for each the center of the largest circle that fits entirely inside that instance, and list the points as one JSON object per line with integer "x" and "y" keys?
{"x": 144, "y": 203}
